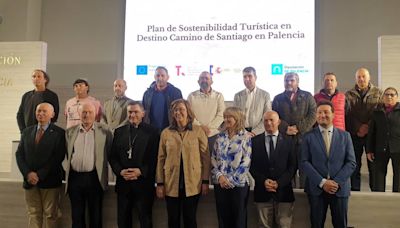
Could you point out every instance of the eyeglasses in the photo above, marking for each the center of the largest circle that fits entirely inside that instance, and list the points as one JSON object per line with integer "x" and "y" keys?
{"x": 390, "y": 94}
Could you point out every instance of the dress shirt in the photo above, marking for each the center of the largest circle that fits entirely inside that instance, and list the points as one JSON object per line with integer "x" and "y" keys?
{"x": 83, "y": 157}
{"x": 274, "y": 139}
{"x": 249, "y": 101}
{"x": 330, "y": 133}
{"x": 42, "y": 126}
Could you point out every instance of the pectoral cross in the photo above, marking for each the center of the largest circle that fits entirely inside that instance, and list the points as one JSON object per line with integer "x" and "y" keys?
{"x": 129, "y": 152}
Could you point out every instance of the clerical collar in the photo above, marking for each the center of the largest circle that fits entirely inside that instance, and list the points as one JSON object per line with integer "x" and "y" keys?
{"x": 135, "y": 126}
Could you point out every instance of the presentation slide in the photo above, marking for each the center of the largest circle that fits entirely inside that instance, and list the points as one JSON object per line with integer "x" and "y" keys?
{"x": 222, "y": 37}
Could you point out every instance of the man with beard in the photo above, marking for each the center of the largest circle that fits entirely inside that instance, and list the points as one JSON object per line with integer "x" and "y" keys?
{"x": 208, "y": 107}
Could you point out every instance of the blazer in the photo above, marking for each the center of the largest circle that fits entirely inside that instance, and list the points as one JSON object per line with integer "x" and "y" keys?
{"x": 317, "y": 165}
{"x": 261, "y": 104}
{"x": 193, "y": 150}
{"x": 280, "y": 166}
{"x": 115, "y": 116}
{"x": 44, "y": 158}
{"x": 144, "y": 154}
{"x": 103, "y": 142}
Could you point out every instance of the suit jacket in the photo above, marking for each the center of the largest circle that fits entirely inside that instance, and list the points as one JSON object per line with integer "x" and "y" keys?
{"x": 115, "y": 116}
{"x": 103, "y": 142}
{"x": 144, "y": 154}
{"x": 280, "y": 166}
{"x": 261, "y": 104}
{"x": 317, "y": 165}
{"x": 44, "y": 158}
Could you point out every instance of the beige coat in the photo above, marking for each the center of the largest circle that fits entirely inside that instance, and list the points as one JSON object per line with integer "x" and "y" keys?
{"x": 196, "y": 160}
{"x": 103, "y": 141}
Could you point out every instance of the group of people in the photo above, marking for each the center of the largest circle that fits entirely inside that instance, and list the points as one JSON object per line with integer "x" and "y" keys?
{"x": 180, "y": 145}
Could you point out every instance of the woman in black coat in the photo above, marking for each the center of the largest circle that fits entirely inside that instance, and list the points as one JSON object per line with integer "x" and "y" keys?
{"x": 384, "y": 140}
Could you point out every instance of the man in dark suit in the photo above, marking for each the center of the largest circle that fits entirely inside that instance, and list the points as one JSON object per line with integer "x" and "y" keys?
{"x": 328, "y": 161}
{"x": 273, "y": 165}
{"x": 39, "y": 157}
{"x": 133, "y": 159}
{"x": 88, "y": 147}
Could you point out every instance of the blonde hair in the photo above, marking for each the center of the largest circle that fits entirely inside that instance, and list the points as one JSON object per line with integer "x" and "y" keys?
{"x": 238, "y": 115}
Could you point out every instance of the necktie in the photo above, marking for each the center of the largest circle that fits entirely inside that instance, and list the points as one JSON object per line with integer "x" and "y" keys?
{"x": 271, "y": 146}
{"x": 39, "y": 135}
{"x": 326, "y": 140}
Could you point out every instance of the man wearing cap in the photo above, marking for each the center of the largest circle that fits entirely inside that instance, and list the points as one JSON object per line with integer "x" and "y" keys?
{"x": 81, "y": 88}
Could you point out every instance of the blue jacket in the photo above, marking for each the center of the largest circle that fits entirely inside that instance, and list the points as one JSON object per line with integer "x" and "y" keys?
{"x": 172, "y": 94}
{"x": 316, "y": 164}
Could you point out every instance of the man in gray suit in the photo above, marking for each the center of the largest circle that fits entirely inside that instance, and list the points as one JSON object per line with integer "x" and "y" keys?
{"x": 115, "y": 108}
{"x": 88, "y": 145}
{"x": 253, "y": 101}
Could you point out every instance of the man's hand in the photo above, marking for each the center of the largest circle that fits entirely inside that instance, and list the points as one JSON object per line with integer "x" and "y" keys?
{"x": 32, "y": 178}
{"x": 370, "y": 156}
{"x": 330, "y": 186}
{"x": 270, "y": 185}
{"x": 131, "y": 173}
{"x": 206, "y": 130}
{"x": 292, "y": 130}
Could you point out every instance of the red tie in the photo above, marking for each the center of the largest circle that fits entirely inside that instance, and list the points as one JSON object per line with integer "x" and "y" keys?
{"x": 39, "y": 135}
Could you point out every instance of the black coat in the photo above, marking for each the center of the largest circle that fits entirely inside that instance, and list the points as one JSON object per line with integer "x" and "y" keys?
{"x": 281, "y": 168}
{"x": 144, "y": 155}
{"x": 384, "y": 131}
{"x": 45, "y": 158}
{"x": 26, "y": 111}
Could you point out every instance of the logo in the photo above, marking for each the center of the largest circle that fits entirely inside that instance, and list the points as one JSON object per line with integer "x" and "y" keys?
{"x": 277, "y": 69}
{"x": 216, "y": 71}
{"x": 141, "y": 69}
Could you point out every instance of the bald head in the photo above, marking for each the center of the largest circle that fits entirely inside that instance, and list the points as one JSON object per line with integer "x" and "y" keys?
{"x": 44, "y": 113}
{"x": 271, "y": 122}
{"x": 362, "y": 78}
{"x": 119, "y": 87}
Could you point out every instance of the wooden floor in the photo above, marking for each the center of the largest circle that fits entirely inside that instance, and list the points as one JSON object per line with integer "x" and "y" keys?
{"x": 366, "y": 210}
